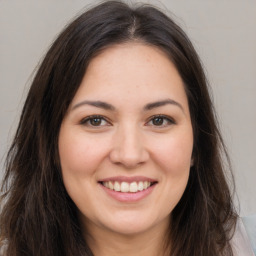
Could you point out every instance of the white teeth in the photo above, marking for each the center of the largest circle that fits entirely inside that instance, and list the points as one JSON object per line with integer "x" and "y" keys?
{"x": 133, "y": 187}
{"x": 110, "y": 184}
{"x": 106, "y": 184}
{"x": 116, "y": 186}
{"x": 125, "y": 187}
{"x": 140, "y": 186}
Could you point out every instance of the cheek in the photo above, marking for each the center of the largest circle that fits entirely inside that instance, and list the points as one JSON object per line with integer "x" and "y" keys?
{"x": 80, "y": 156}
{"x": 173, "y": 157}
{"x": 174, "y": 154}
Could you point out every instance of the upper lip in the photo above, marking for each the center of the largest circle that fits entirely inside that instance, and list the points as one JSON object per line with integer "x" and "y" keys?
{"x": 128, "y": 179}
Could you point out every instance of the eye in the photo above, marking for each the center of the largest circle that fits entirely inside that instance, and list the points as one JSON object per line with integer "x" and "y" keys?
{"x": 160, "y": 121}
{"x": 94, "y": 121}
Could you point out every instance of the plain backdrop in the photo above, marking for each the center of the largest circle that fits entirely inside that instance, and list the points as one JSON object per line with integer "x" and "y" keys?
{"x": 223, "y": 32}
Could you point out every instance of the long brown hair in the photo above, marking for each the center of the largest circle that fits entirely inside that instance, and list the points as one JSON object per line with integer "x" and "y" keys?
{"x": 38, "y": 217}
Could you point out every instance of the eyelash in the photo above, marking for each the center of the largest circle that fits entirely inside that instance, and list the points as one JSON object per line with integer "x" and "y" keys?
{"x": 168, "y": 120}
{"x": 88, "y": 121}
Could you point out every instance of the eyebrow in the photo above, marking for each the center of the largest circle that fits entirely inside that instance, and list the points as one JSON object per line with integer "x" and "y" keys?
{"x": 149, "y": 106}
{"x": 161, "y": 103}
{"x": 98, "y": 104}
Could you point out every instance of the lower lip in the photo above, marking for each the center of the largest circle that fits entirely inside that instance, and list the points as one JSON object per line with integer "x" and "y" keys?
{"x": 128, "y": 197}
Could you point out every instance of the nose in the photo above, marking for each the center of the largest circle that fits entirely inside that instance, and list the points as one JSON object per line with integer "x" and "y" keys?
{"x": 128, "y": 148}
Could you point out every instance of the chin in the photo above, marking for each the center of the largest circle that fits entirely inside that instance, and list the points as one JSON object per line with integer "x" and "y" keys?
{"x": 131, "y": 224}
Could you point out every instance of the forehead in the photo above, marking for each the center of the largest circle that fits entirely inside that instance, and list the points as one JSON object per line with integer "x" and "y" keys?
{"x": 131, "y": 70}
{"x": 135, "y": 57}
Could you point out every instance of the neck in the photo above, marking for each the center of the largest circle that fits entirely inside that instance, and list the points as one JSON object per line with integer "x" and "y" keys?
{"x": 107, "y": 243}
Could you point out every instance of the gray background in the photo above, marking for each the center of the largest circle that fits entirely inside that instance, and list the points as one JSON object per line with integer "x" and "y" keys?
{"x": 223, "y": 32}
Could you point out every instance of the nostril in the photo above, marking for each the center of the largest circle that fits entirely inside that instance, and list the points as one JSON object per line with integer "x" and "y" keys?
{"x": 128, "y": 158}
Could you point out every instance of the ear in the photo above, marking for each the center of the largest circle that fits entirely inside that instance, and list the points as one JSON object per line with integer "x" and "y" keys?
{"x": 191, "y": 162}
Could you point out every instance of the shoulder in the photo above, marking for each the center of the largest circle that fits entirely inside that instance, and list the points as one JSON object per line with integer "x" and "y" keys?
{"x": 240, "y": 242}
{"x": 2, "y": 251}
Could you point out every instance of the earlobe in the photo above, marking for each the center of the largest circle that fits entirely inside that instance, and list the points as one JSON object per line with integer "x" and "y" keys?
{"x": 192, "y": 162}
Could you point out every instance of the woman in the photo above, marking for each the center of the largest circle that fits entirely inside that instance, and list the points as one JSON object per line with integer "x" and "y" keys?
{"x": 118, "y": 151}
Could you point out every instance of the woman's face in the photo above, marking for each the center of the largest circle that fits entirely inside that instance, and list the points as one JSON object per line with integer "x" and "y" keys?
{"x": 126, "y": 141}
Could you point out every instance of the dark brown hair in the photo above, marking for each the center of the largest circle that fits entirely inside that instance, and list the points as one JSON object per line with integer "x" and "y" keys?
{"x": 38, "y": 218}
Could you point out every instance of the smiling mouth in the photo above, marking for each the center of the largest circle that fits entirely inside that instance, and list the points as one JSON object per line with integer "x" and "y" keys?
{"x": 127, "y": 187}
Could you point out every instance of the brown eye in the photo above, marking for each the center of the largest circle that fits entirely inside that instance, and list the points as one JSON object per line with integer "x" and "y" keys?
{"x": 160, "y": 121}
{"x": 94, "y": 121}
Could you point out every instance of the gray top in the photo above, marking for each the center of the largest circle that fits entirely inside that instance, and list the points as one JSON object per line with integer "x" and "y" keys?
{"x": 241, "y": 242}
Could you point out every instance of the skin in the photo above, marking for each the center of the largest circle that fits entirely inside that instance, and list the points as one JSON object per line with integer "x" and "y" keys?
{"x": 127, "y": 141}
